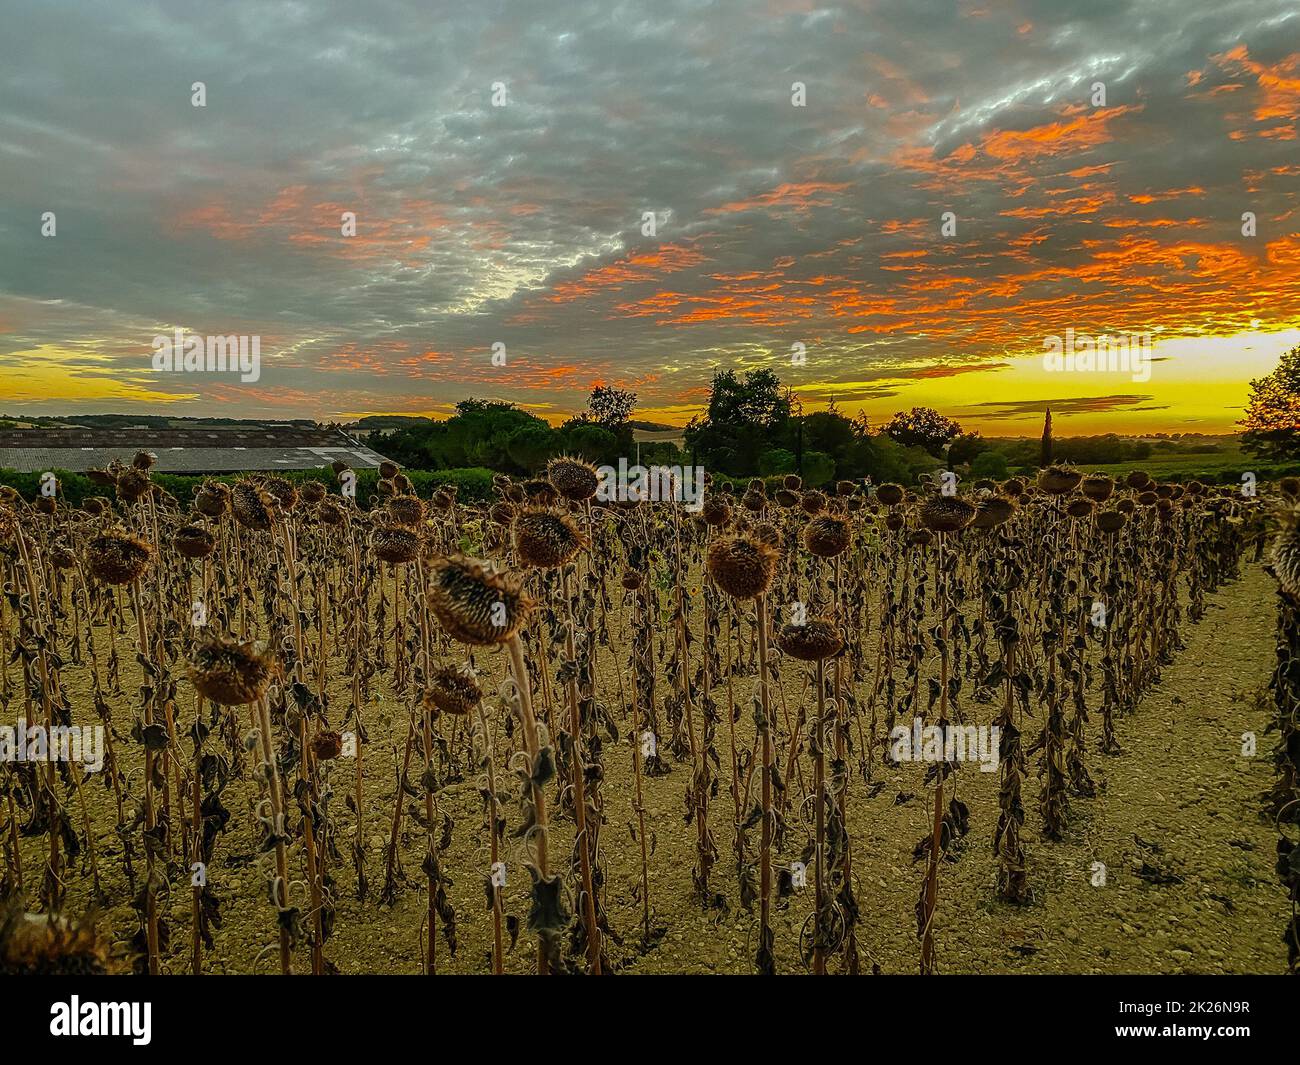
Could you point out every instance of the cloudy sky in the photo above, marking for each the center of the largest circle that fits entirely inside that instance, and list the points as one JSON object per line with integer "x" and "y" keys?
{"x": 775, "y": 225}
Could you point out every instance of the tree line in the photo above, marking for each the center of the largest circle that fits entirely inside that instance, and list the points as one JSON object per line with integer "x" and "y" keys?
{"x": 753, "y": 426}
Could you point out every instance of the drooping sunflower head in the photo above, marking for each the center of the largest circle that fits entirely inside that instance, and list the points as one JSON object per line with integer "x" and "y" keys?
{"x": 118, "y": 556}
{"x": 812, "y": 501}
{"x": 1058, "y": 480}
{"x": 742, "y": 566}
{"x": 992, "y": 511}
{"x": 395, "y": 543}
{"x": 768, "y": 533}
{"x": 1111, "y": 521}
{"x": 327, "y": 745}
{"x": 541, "y": 492}
{"x": 231, "y": 672}
{"x": 475, "y": 602}
{"x": 1097, "y": 487}
{"x": 890, "y": 494}
{"x": 826, "y": 535}
{"x": 251, "y": 504}
{"x": 132, "y": 484}
{"x": 212, "y": 499}
{"x": 453, "y": 690}
{"x": 282, "y": 491}
{"x": 813, "y": 641}
{"x": 406, "y": 510}
{"x": 716, "y": 511}
{"x": 545, "y": 539}
{"x": 194, "y": 541}
{"x": 312, "y": 492}
{"x": 42, "y": 945}
{"x": 1285, "y": 564}
{"x": 946, "y": 514}
{"x": 574, "y": 478}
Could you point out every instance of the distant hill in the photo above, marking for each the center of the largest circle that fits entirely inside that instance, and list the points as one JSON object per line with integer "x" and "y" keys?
{"x": 652, "y": 427}
{"x": 391, "y": 421}
{"x": 148, "y": 421}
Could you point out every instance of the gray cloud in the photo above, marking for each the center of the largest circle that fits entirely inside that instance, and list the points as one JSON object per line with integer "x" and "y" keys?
{"x": 522, "y": 224}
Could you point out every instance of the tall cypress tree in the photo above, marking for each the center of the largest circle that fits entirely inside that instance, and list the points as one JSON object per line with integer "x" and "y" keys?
{"x": 1045, "y": 457}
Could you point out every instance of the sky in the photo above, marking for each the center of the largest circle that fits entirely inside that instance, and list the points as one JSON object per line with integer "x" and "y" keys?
{"x": 889, "y": 204}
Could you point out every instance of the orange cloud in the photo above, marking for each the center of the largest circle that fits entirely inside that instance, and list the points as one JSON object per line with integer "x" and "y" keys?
{"x": 638, "y": 266}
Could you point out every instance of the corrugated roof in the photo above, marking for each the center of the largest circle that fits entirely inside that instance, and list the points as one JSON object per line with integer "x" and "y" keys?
{"x": 147, "y": 439}
{"x": 183, "y": 450}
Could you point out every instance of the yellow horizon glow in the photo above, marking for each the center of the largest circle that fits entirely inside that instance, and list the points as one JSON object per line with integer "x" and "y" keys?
{"x": 1198, "y": 384}
{"x": 49, "y": 373}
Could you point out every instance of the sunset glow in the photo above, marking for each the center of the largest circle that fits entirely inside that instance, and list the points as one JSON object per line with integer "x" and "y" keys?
{"x": 774, "y": 223}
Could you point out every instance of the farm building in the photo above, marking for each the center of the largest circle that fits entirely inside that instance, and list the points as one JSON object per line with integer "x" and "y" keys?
{"x": 192, "y": 450}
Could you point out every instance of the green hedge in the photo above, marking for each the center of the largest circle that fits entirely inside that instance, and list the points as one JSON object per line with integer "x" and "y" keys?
{"x": 473, "y": 484}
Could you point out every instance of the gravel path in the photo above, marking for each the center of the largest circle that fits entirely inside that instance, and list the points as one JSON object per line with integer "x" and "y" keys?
{"x": 1189, "y": 882}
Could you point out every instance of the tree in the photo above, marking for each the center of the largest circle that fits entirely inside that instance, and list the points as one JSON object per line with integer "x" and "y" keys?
{"x": 830, "y": 432}
{"x": 922, "y": 427}
{"x": 883, "y": 460}
{"x": 746, "y": 416}
{"x": 755, "y": 400}
{"x": 965, "y": 448}
{"x": 1045, "y": 453}
{"x": 530, "y": 446}
{"x": 775, "y": 460}
{"x": 1272, "y": 422}
{"x": 592, "y": 442}
{"x": 610, "y": 407}
{"x": 992, "y": 464}
{"x": 818, "y": 468}
{"x": 477, "y": 435}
